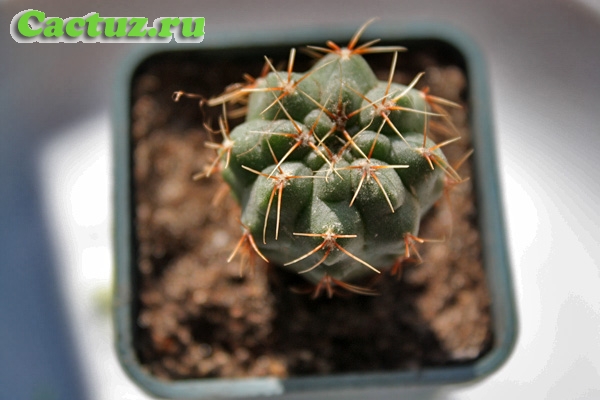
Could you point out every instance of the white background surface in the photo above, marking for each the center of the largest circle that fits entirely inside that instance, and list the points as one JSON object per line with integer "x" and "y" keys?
{"x": 55, "y": 159}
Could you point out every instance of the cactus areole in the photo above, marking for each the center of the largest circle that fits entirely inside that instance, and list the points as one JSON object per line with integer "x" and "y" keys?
{"x": 332, "y": 167}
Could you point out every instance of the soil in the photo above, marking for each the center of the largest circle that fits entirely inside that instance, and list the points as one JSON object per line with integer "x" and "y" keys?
{"x": 197, "y": 317}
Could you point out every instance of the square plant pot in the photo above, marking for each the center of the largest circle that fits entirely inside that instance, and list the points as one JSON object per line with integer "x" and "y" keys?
{"x": 190, "y": 325}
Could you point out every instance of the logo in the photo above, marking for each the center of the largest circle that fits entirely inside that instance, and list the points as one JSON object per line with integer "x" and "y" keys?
{"x": 31, "y": 26}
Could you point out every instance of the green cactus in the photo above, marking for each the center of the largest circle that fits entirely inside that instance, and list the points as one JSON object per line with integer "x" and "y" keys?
{"x": 332, "y": 168}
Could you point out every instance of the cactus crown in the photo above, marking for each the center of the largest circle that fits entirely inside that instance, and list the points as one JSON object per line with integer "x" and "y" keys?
{"x": 333, "y": 168}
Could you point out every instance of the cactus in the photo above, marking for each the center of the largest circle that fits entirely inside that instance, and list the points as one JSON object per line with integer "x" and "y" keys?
{"x": 333, "y": 168}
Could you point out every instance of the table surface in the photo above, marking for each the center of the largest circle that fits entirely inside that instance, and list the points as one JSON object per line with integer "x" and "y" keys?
{"x": 544, "y": 63}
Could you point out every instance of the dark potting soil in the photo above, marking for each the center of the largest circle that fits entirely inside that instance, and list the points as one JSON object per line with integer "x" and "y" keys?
{"x": 197, "y": 317}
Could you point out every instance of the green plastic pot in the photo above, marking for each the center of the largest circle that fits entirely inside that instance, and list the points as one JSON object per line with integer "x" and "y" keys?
{"x": 494, "y": 249}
